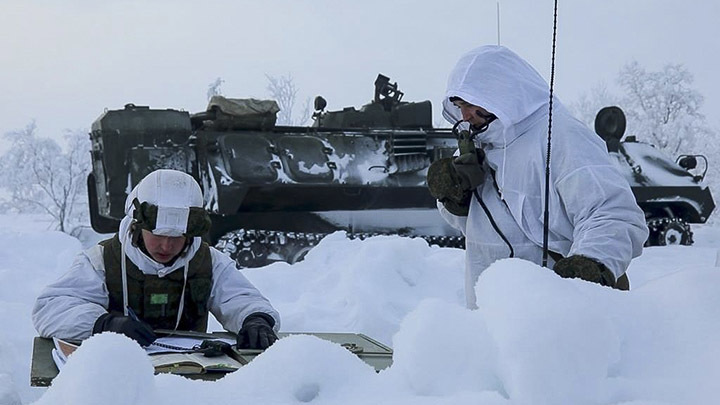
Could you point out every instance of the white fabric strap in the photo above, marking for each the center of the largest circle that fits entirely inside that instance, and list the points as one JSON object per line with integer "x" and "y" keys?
{"x": 182, "y": 296}
{"x": 123, "y": 266}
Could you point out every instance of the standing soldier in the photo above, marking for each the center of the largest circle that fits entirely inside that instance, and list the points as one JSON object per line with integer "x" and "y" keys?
{"x": 595, "y": 225}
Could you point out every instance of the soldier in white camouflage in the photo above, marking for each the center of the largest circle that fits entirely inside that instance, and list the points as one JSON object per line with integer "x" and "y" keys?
{"x": 156, "y": 273}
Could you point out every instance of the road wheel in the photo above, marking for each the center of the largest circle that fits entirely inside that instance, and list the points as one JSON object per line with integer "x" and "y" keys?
{"x": 670, "y": 231}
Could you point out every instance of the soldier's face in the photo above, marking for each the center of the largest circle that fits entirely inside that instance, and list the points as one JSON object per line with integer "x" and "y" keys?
{"x": 163, "y": 248}
{"x": 477, "y": 116}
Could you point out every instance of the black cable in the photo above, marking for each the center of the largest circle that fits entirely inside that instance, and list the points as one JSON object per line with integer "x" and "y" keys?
{"x": 546, "y": 214}
{"x": 494, "y": 225}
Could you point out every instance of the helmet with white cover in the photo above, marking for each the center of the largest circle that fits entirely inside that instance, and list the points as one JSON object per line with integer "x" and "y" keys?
{"x": 168, "y": 203}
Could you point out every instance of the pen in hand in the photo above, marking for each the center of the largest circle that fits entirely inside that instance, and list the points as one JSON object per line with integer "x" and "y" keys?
{"x": 148, "y": 336}
{"x": 132, "y": 314}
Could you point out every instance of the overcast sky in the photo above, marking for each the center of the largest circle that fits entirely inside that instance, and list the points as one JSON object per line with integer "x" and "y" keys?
{"x": 63, "y": 62}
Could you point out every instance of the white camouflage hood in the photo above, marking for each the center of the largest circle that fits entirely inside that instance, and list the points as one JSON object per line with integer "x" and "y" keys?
{"x": 497, "y": 79}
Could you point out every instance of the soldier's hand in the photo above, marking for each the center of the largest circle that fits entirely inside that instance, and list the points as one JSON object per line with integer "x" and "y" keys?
{"x": 460, "y": 209}
{"x": 469, "y": 169}
{"x": 446, "y": 186}
{"x": 584, "y": 268}
{"x": 136, "y": 330}
{"x": 256, "y": 332}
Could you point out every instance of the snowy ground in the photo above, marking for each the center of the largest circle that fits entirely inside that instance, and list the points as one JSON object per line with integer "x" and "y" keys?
{"x": 535, "y": 339}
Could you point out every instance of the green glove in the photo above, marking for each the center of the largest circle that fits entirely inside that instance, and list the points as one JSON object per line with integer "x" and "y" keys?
{"x": 469, "y": 169}
{"x": 445, "y": 185}
{"x": 584, "y": 268}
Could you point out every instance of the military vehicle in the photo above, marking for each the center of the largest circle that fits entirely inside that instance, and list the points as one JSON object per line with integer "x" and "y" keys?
{"x": 274, "y": 191}
{"x": 670, "y": 192}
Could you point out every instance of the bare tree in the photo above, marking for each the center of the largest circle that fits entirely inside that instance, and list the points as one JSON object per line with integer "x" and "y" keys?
{"x": 307, "y": 112}
{"x": 589, "y": 103}
{"x": 284, "y": 91}
{"x": 214, "y": 88}
{"x": 40, "y": 177}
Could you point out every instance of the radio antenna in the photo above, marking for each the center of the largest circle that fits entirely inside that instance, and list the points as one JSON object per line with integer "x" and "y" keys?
{"x": 498, "y": 22}
{"x": 546, "y": 213}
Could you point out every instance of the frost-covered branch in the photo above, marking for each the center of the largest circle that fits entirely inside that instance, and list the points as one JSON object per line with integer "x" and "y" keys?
{"x": 40, "y": 177}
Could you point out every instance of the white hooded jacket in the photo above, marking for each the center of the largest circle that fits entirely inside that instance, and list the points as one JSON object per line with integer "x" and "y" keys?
{"x": 592, "y": 209}
{"x": 69, "y": 307}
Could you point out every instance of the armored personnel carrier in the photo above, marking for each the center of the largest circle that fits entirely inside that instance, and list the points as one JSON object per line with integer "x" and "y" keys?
{"x": 274, "y": 191}
{"x": 670, "y": 192}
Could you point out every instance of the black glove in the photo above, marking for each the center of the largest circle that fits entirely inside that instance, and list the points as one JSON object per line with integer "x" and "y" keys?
{"x": 469, "y": 169}
{"x": 445, "y": 185}
{"x": 257, "y": 332}
{"x": 584, "y": 268}
{"x": 139, "y": 331}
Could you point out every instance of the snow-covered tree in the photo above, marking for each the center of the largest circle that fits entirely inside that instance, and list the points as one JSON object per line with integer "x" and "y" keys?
{"x": 663, "y": 107}
{"x": 39, "y": 176}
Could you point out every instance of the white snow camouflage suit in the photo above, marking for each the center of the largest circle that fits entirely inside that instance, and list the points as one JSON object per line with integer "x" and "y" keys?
{"x": 592, "y": 209}
{"x": 69, "y": 307}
